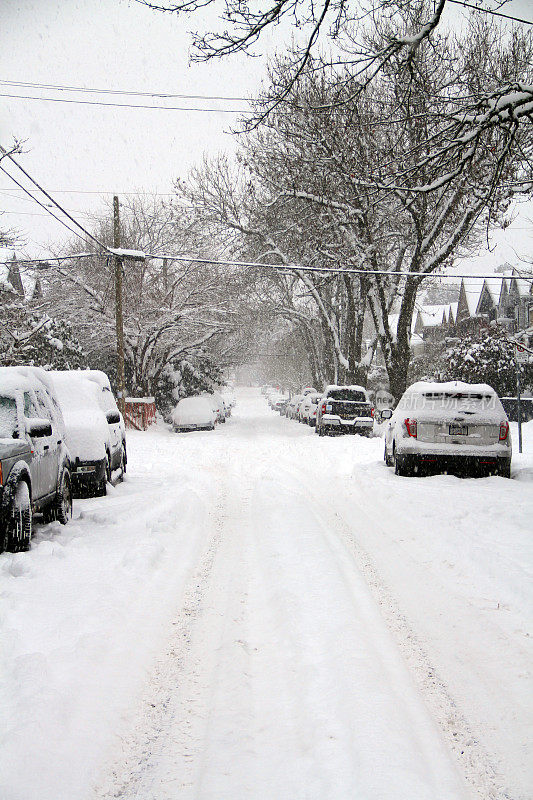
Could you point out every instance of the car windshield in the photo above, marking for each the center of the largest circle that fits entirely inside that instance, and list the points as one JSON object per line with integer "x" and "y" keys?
{"x": 8, "y": 418}
{"x": 346, "y": 394}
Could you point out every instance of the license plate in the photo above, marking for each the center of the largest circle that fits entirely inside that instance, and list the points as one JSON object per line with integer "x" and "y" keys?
{"x": 328, "y": 407}
{"x": 86, "y": 469}
{"x": 458, "y": 430}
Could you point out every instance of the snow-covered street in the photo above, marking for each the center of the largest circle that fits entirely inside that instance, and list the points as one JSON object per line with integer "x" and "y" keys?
{"x": 260, "y": 613}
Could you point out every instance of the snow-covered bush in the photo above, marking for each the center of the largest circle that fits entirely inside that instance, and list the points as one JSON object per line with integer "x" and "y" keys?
{"x": 488, "y": 359}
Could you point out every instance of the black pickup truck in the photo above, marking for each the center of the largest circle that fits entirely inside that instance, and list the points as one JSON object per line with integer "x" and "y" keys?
{"x": 344, "y": 409}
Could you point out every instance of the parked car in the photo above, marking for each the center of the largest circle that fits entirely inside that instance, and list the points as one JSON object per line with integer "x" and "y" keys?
{"x": 34, "y": 459}
{"x": 229, "y": 402}
{"x": 92, "y": 440}
{"x": 345, "y": 409}
{"x": 293, "y": 405}
{"x": 117, "y": 428}
{"x": 448, "y": 427}
{"x": 217, "y": 402}
{"x": 308, "y": 408}
{"x": 194, "y": 414}
{"x": 281, "y": 404}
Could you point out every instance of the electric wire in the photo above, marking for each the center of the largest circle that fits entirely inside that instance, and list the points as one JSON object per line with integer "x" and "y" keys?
{"x": 490, "y": 11}
{"x": 292, "y": 267}
{"x": 125, "y": 105}
{"x": 56, "y": 204}
{"x": 162, "y": 95}
{"x": 48, "y": 211}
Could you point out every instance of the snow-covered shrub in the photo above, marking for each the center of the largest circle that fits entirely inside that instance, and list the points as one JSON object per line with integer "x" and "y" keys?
{"x": 488, "y": 359}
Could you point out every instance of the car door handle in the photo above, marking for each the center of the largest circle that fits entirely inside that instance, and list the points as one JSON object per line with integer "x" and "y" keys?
{"x": 46, "y": 447}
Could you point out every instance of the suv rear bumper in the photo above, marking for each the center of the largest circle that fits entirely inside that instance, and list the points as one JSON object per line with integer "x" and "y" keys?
{"x": 479, "y": 465}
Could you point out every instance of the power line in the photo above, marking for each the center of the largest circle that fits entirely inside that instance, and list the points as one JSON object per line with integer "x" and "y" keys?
{"x": 48, "y": 211}
{"x": 292, "y": 267}
{"x": 125, "y": 105}
{"x": 336, "y": 270}
{"x": 489, "y": 11}
{"x": 162, "y": 95}
{"x": 56, "y": 204}
{"x": 101, "y": 191}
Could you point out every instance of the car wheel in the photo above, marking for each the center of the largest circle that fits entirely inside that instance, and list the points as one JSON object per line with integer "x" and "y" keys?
{"x": 400, "y": 466}
{"x": 19, "y": 521}
{"x": 122, "y": 464}
{"x": 124, "y": 457}
{"x": 389, "y": 461}
{"x": 63, "y": 501}
{"x": 504, "y": 471}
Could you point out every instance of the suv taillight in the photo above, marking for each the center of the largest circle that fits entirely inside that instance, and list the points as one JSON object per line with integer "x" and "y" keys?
{"x": 410, "y": 426}
{"x": 372, "y": 412}
{"x": 504, "y": 430}
{"x": 323, "y": 408}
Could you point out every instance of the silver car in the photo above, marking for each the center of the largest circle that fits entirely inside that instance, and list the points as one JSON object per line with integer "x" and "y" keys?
{"x": 448, "y": 427}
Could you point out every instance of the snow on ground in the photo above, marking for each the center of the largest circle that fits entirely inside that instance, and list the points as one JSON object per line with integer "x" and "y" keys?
{"x": 258, "y": 612}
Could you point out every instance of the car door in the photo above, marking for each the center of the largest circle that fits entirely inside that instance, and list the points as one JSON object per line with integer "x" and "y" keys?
{"x": 107, "y": 404}
{"x": 49, "y": 447}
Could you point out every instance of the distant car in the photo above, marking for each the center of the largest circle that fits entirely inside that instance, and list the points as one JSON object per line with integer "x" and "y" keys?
{"x": 293, "y": 405}
{"x": 448, "y": 427}
{"x": 308, "y": 408}
{"x": 345, "y": 409}
{"x": 280, "y": 404}
{"x": 34, "y": 459}
{"x": 194, "y": 414}
{"x": 229, "y": 402}
{"x": 308, "y": 390}
{"x": 91, "y": 434}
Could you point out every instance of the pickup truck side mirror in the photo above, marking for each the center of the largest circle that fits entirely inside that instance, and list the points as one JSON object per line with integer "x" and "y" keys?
{"x": 37, "y": 427}
{"x": 386, "y": 413}
{"x": 112, "y": 417}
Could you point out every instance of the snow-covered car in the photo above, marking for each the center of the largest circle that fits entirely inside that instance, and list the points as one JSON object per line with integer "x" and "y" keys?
{"x": 229, "y": 402}
{"x": 94, "y": 447}
{"x": 448, "y": 427}
{"x": 194, "y": 414}
{"x": 345, "y": 409}
{"x": 34, "y": 459}
{"x": 218, "y": 404}
{"x": 117, "y": 428}
{"x": 293, "y": 406}
{"x": 308, "y": 390}
{"x": 308, "y": 408}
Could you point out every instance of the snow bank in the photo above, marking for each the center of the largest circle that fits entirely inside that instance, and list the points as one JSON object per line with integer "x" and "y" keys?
{"x": 81, "y": 617}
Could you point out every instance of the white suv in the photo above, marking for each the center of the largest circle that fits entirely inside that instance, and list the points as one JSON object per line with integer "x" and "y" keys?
{"x": 448, "y": 427}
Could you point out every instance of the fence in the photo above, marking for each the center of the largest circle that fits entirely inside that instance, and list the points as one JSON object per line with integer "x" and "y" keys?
{"x": 140, "y": 412}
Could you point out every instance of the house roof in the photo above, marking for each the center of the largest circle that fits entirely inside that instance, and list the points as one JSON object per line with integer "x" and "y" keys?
{"x": 433, "y": 315}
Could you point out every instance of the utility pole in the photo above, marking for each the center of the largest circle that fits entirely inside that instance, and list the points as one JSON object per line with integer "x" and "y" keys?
{"x": 119, "y": 267}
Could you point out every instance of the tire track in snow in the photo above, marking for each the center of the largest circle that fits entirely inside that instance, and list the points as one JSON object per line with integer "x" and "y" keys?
{"x": 176, "y": 707}
{"x": 472, "y": 759}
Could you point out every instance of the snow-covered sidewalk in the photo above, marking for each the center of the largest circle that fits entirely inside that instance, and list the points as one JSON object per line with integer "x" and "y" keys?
{"x": 260, "y": 613}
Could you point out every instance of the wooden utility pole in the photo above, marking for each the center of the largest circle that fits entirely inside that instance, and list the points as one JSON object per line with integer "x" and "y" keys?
{"x": 121, "y": 388}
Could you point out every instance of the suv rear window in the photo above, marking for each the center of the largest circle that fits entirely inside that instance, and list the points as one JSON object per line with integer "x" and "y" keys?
{"x": 8, "y": 418}
{"x": 347, "y": 394}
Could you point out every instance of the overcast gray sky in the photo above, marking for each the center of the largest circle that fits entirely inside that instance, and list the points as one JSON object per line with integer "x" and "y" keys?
{"x": 116, "y": 44}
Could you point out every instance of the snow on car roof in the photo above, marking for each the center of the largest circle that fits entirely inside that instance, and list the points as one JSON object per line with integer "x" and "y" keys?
{"x": 450, "y": 387}
{"x": 353, "y": 387}
{"x": 16, "y": 379}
